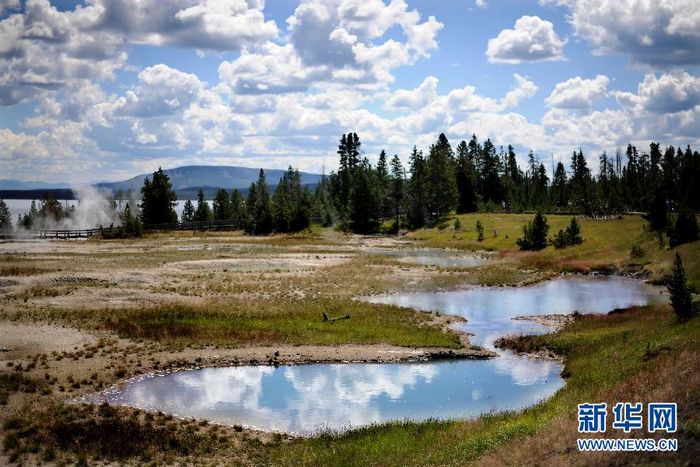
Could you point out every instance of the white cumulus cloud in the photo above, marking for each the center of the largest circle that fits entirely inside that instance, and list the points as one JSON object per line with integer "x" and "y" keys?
{"x": 532, "y": 39}
{"x": 652, "y": 32}
{"x": 578, "y": 93}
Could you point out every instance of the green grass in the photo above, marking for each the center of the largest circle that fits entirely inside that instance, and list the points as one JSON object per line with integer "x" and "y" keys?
{"x": 606, "y": 245}
{"x": 267, "y": 322}
{"x": 602, "y": 354}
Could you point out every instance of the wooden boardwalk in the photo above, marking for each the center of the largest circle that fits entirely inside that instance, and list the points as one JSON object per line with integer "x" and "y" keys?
{"x": 68, "y": 234}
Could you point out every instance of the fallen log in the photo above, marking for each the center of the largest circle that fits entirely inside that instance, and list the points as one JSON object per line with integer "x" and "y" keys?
{"x": 326, "y": 318}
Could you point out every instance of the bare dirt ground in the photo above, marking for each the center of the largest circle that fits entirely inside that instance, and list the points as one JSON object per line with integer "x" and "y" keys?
{"x": 70, "y": 357}
{"x": 37, "y": 277}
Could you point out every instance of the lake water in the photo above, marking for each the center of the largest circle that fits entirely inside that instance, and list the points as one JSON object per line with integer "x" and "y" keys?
{"x": 308, "y": 398}
{"x": 21, "y": 206}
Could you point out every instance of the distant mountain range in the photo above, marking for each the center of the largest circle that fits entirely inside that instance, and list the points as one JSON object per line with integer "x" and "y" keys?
{"x": 6, "y": 184}
{"x": 186, "y": 181}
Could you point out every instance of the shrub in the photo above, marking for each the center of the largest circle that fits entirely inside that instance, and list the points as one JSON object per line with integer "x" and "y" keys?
{"x": 637, "y": 251}
{"x": 570, "y": 237}
{"x": 573, "y": 233}
{"x": 559, "y": 240}
{"x": 534, "y": 233}
{"x": 480, "y": 231}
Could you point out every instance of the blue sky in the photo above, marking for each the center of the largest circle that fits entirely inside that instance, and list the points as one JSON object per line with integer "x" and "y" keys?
{"x": 106, "y": 89}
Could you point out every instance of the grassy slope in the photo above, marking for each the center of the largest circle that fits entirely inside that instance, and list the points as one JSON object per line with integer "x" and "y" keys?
{"x": 645, "y": 347}
{"x": 606, "y": 244}
{"x": 295, "y": 322}
{"x": 638, "y": 354}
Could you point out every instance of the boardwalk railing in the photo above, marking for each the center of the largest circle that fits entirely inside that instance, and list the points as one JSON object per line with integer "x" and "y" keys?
{"x": 198, "y": 225}
{"x": 67, "y": 234}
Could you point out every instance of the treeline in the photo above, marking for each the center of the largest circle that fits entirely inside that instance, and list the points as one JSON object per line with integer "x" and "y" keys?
{"x": 47, "y": 213}
{"x": 290, "y": 208}
{"x": 365, "y": 198}
{"x": 478, "y": 177}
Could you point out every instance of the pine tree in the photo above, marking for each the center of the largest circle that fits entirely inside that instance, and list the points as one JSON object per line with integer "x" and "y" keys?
{"x": 158, "y": 200}
{"x": 221, "y": 205}
{"x": 383, "y": 185}
{"x": 559, "y": 191}
{"x": 657, "y": 216}
{"x": 203, "y": 212}
{"x": 581, "y": 184}
{"x": 291, "y": 203}
{"x": 573, "y": 233}
{"x": 238, "y": 215}
{"x": 670, "y": 174}
{"x": 344, "y": 177}
{"x": 397, "y": 189}
{"x": 51, "y": 210}
{"x": 534, "y": 233}
{"x": 131, "y": 223}
{"x": 5, "y": 217}
{"x": 681, "y": 299}
{"x": 465, "y": 178}
{"x": 260, "y": 207}
{"x": 491, "y": 190}
{"x": 684, "y": 229}
{"x": 512, "y": 182}
{"x": 475, "y": 152}
{"x": 251, "y": 206}
{"x": 364, "y": 216}
{"x": 440, "y": 180}
{"x": 323, "y": 211}
{"x": 188, "y": 212}
{"x": 417, "y": 190}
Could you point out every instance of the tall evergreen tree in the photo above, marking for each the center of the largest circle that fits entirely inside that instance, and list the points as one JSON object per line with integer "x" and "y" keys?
{"x": 251, "y": 206}
{"x": 344, "y": 177}
{"x": 559, "y": 187}
{"x": 512, "y": 182}
{"x": 681, "y": 298}
{"x": 5, "y": 217}
{"x": 238, "y": 215}
{"x": 203, "y": 212}
{"x": 491, "y": 189}
{"x": 131, "y": 223}
{"x": 465, "y": 178}
{"x": 581, "y": 184}
{"x": 684, "y": 229}
{"x": 222, "y": 205}
{"x": 188, "y": 212}
{"x": 323, "y": 211}
{"x": 158, "y": 199}
{"x": 417, "y": 190}
{"x": 440, "y": 180}
{"x": 260, "y": 214}
{"x": 365, "y": 199}
{"x": 474, "y": 151}
{"x": 383, "y": 184}
{"x": 670, "y": 175}
{"x": 397, "y": 189}
{"x": 291, "y": 203}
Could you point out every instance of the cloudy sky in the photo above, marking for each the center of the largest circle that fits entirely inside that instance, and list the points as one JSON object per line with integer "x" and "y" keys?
{"x": 106, "y": 89}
